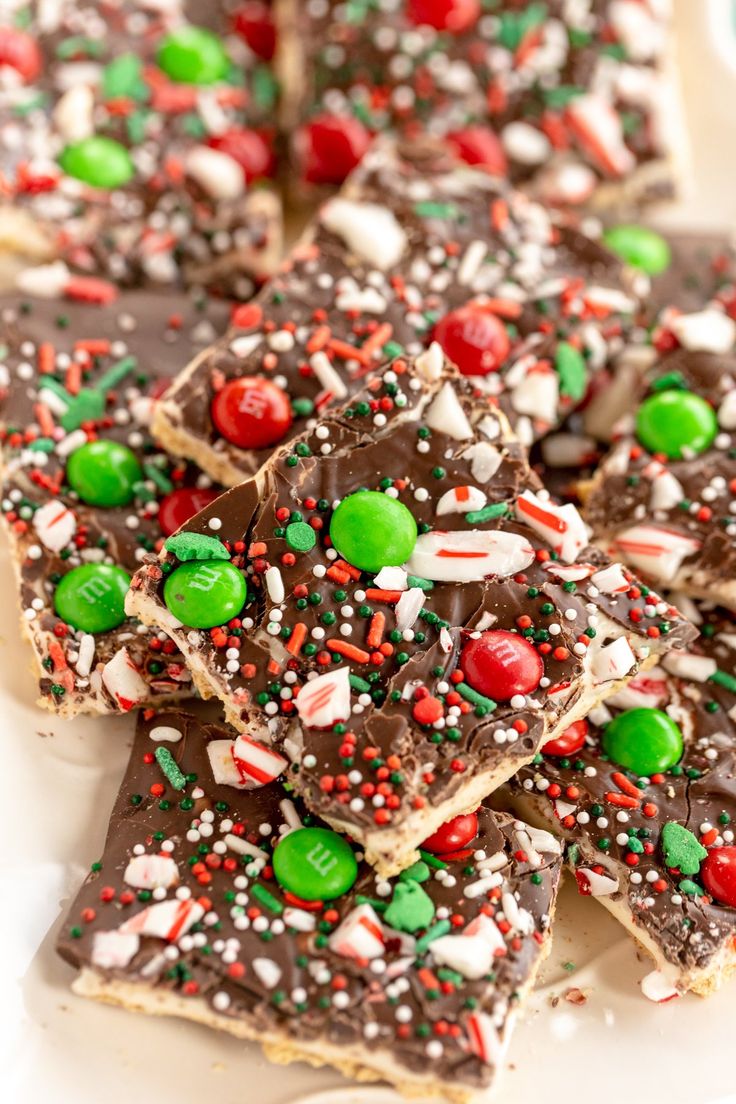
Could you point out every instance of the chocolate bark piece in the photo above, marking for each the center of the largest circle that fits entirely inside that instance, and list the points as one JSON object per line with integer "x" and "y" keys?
{"x": 416, "y": 243}
{"x": 701, "y": 266}
{"x": 662, "y": 499}
{"x": 71, "y": 375}
{"x": 137, "y": 144}
{"x": 350, "y": 671}
{"x": 577, "y": 100}
{"x": 189, "y": 913}
{"x": 647, "y": 847}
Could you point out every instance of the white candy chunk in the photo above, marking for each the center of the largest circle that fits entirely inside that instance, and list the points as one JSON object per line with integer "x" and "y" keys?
{"x": 446, "y": 415}
{"x": 543, "y": 840}
{"x": 113, "y": 950}
{"x": 641, "y": 34}
{"x": 537, "y": 395}
{"x": 300, "y": 920}
{"x": 567, "y": 450}
{"x": 709, "y": 331}
{"x": 218, "y": 174}
{"x": 86, "y": 655}
{"x": 166, "y": 734}
{"x": 666, "y": 489}
{"x": 525, "y": 144}
{"x": 73, "y": 114}
{"x": 275, "y": 585}
{"x": 166, "y": 919}
{"x": 611, "y": 579}
{"x": 328, "y": 377}
{"x": 565, "y": 184}
{"x": 490, "y": 427}
{"x": 267, "y": 971}
{"x": 151, "y": 872}
{"x": 647, "y": 690}
{"x": 656, "y": 551}
{"x": 686, "y": 665}
{"x": 613, "y": 661}
{"x": 55, "y": 525}
{"x": 464, "y": 557}
{"x": 43, "y": 281}
{"x": 325, "y": 700}
{"x": 370, "y": 231}
{"x": 461, "y": 500}
{"x": 123, "y": 681}
{"x": 430, "y": 363}
{"x": 727, "y": 411}
{"x": 561, "y": 526}
{"x": 657, "y": 987}
{"x": 391, "y": 578}
{"x": 470, "y": 955}
{"x": 222, "y": 764}
{"x": 408, "y": 607}
{"x": 591, "y": 884}
{"x": 351, "y": 297}
{"x": 360, "y": 935}
{"x": 485, "y": 460}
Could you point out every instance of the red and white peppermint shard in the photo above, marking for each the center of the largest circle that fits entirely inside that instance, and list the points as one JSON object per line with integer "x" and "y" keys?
{"x": 256, "y": 762}
{"x": 165, "y": 920}
{"x": 360, "y": 935}
{"x": 123, "y": 681}
{"x": 325, "y": 700}
{"x": 560, "y": 526}
{"x": 469, "y": 556}
{"x": 657, "y": 551}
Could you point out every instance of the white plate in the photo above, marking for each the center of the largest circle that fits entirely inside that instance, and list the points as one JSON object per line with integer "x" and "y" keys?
{"x": 58, "y": 784}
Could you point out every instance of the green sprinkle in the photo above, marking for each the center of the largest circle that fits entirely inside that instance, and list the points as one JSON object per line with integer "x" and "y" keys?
{"x": 442, "y": 927}
{"x": 488, "y": 513}
{"x": 170, "y": 768}
{"x": 267, "y": 899}
{"x": 473, "y": 696}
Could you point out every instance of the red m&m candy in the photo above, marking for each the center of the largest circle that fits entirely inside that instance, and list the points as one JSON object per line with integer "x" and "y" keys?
{"x": 444, "y": 15}
{"x": 20, "y": 52}
{"x": 478, "y": 145}
{"x": 250, "y": 149}
{"x": 474, "y": 339}
{"x": 181, "y": 505}
{"x": 718, "y": 872}
{"x": 500, "y": 664}
{"x": 251, "y": 412}
{"x": 330, "y": 147}
{"x": 454, "y": 835}
{"x": 570, "y": 741}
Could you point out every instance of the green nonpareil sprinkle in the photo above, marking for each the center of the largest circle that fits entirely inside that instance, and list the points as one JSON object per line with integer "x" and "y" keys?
{"x": 158, "y": 478}
{"x": 428, "y": 209}
{"x": 722, "y": 678}
{"x": 267, "y": 899}
{"x": 473, "y": 696}
{"x": 442, "y": 927}
{"x": 418, "y": 581}
{"x": 432, "y": 860}
{"x": 170, "y": 768}
{"x": 360, "y": 684}
{"x": 488, "y": 513}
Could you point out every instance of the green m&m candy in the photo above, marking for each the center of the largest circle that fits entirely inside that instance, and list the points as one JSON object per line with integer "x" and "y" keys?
{"x": 676, "y": 423}
{"x": 639, "y": 247}
{"x": 98, "y": 161}
{"x": 205, "y": 593}
{"x": 104, "y": 473}
{"x": 193, "y": 55}
{"x": 645, "y": 741}
{"x": 315, "y": 864}
{"x": 92, "y": 597}
{"x": 371, "y": 531}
